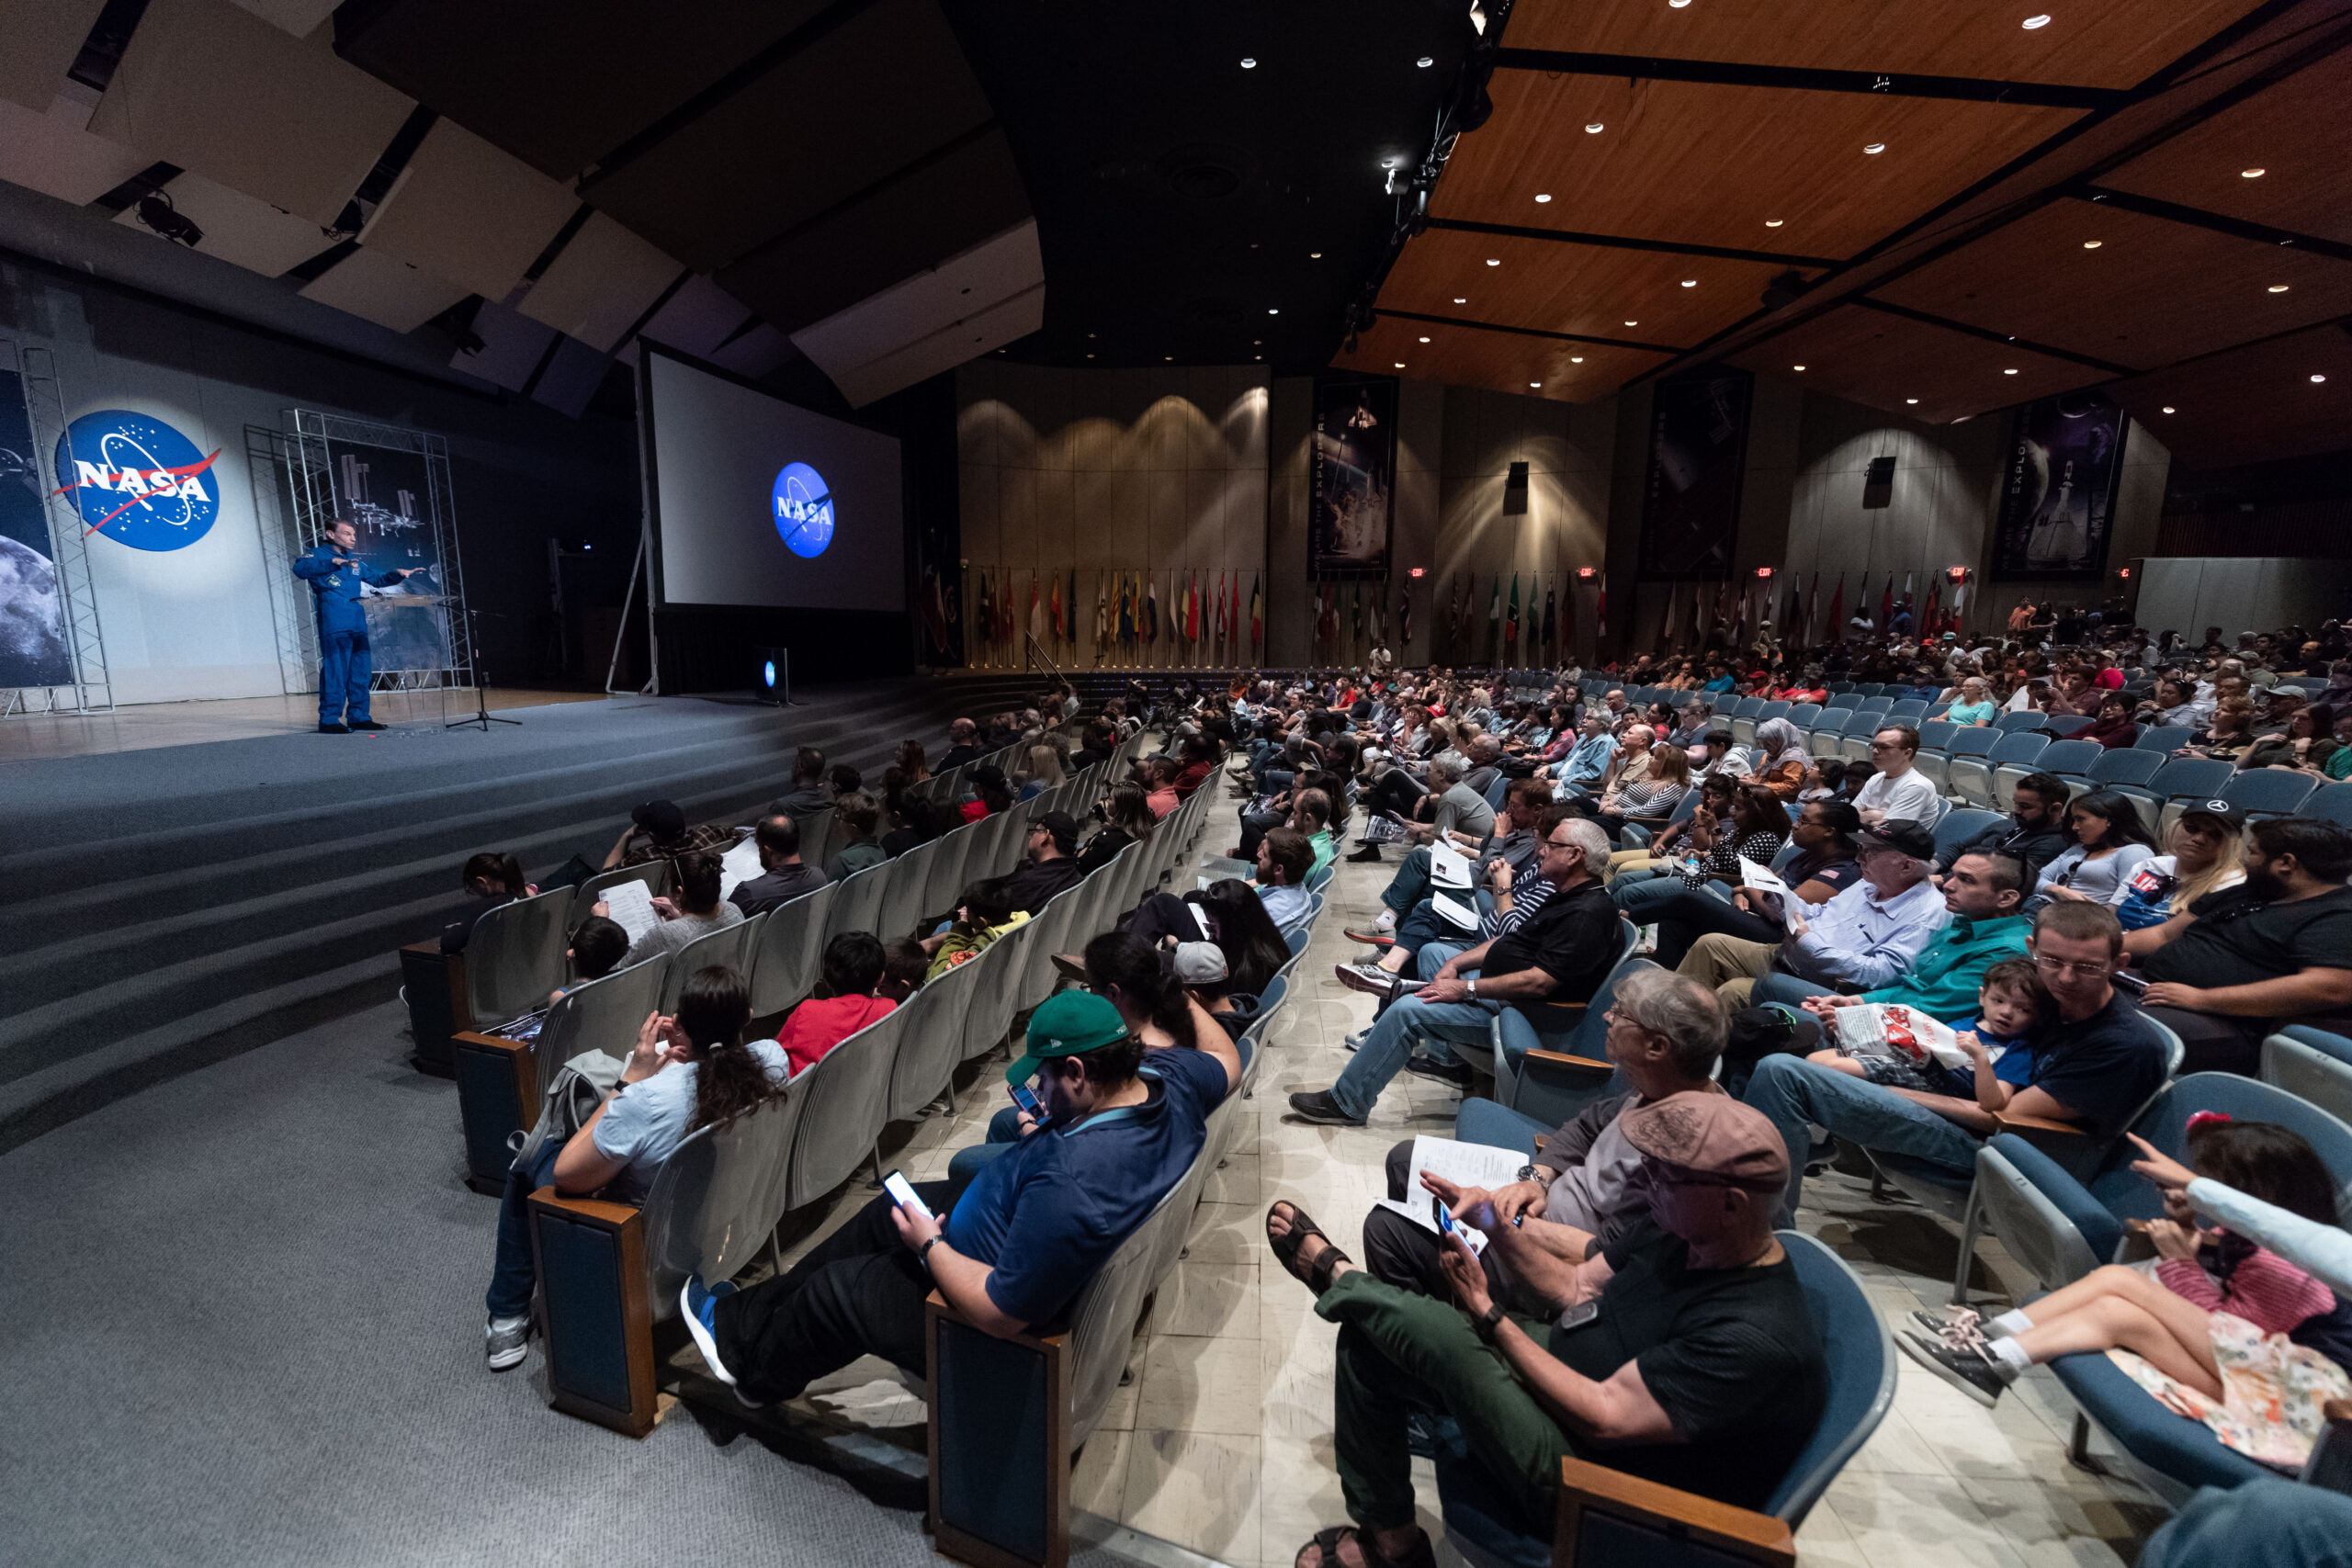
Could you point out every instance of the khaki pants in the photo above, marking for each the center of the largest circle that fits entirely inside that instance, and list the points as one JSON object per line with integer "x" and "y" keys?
{"x": 1621, "y": 861}
{"x": 1729, "y": 964}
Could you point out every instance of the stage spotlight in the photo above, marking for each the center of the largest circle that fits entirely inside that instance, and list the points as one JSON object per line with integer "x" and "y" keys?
{"x": 156, "y": 212}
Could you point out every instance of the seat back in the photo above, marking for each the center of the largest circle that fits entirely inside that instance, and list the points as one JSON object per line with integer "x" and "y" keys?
{"x": 2162, "y": 737}
{"x": 2269, "y": 791}
{"x": 2164, "y": 1123}
{"x": 1935, "y": 734}
{"x": 2190, "y": 778}
{"x": 908, "y": 878}
{"x": 1958, "y": 827}
{"x": 2330, "y": 802}
{"x": 1861, "y": 1355}
{"x": 816, "y": 835}
{"x": 786, "y": 956}
{"x": 1828, "y": 731}
{"x": 845, "y": 1105}
{"x": 1802, "y": 715}
{"x": 515, "y": 958}
{"x": 930, "y": 1041}
{"x": 1906, "y": 710}
{"x": 2012, "y": 723}
{"x": 719, "y": 1197}
{"x": 729, "y": 949}
{"x": 2068, "y": 759}
{"x": 2123, "y": 765}
{"x": 857, "y": 903}
{"x": 945, "y": 879}
{"x": 1839, "y": 699}
{"x": 654, "y": 874}
{"x": 603, "y": 1015}
{"x": 2065, "y": 724}
{"x": 2313, "y": 1064}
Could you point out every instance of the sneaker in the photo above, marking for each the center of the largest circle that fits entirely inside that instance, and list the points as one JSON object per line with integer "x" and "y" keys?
{"x": 699, "y": 1305}
{"x": 1960, "y": 1326}
{"x": 1386, "y": 920}
{"x": 1355, "y": 1042}
{"x": 1319, "y": 1106}
{"x": 1372, "y": 979}
{"x": 1974, "y": 1370}
{"x": 334, "y": 730}
{"x": 1369, "y": 853}
{"x": 1372, "y": 938}
{"x": 367, "y": 724}
{"x": 508, "y": 1341}
{"x": 1445, "y": 1072}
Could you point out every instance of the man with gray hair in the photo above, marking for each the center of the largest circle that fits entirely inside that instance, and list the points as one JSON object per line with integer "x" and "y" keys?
{"x": 1666, "y": 1034}
{"x": 1561, "y": 955}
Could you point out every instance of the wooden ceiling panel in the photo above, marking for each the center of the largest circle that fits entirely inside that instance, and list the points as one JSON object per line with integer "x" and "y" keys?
{"x": 1886, "y": 361}
{"x": 2152, "y": 291}
{"x": 1700, "y": 163}
{"x": 1592, "y": 290}
{"x": 2092, "y": 43}
{"x": 2251, "y": 404}
{"x": 2296, "y": 133}
{"x": 1498, "y": 361}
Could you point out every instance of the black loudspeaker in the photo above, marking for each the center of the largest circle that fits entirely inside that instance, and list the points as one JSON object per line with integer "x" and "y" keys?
{"x": 1877, "y": 484}
{"x": 771, "y": 675}
{"x": 1515, "y": 492}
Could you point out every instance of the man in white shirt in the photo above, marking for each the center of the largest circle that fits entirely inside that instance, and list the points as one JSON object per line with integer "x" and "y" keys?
{"x": 1897, "y": 792}
{"x": 1864, "y": 937}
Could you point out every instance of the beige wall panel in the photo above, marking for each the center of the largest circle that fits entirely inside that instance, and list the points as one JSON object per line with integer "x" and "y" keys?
{"x": 471, "y": 212}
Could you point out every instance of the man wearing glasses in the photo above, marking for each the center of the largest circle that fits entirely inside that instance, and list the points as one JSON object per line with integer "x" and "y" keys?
{"x": 2093, "y": 1065}
{"x": 1897, "y": 792}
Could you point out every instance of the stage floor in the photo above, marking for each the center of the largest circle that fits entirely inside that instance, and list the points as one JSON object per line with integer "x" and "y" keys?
{"x": 25, "y": 738}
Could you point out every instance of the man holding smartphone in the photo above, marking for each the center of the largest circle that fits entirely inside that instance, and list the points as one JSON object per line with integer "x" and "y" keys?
{"x": 1020, "y": 1239}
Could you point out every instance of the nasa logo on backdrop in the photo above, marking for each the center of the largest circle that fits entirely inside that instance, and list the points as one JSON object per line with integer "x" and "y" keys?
{"x": 138, "y": 480}
{"x": 803, "y": 510}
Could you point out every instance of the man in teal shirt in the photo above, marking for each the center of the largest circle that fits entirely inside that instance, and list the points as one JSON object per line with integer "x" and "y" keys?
{"x": 1982, "y": 892}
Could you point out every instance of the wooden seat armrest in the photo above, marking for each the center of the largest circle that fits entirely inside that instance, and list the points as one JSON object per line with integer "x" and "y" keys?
{"x": 1580, "y": 1065}
{"x": 431, "y": 948}
{"x": 946, "y": 1309}
{"x": 1684, "y": 1516}
{"x": 2027, "y": 1126}
{"x": 600, "y": 1209}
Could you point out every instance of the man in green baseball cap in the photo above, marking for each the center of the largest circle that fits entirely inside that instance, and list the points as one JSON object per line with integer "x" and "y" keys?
{"x": 1068, "y": 1023}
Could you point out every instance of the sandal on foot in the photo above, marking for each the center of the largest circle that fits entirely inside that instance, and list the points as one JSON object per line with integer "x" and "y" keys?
{"x": 1317, "y": 1277}
{"x": 1326, "y": 1547}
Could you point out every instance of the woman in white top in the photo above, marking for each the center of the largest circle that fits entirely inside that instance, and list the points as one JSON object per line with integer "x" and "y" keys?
{"x": 696, "y": 910}
{"x": 2110, "y": 842}
{"x": 2206, "y": 857}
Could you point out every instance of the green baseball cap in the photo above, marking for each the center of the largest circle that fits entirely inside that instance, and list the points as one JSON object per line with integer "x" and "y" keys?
{"x": 1065, "y": 1024}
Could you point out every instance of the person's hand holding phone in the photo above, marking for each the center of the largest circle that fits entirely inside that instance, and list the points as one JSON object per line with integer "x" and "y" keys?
{"x": 915, "y": 1222}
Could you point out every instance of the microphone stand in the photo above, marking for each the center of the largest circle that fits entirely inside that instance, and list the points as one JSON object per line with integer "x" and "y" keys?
{"x": 481, "y": 715}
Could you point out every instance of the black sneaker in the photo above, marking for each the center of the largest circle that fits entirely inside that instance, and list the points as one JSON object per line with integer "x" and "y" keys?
{"x": 1455, "y": 1073}
{"x": 1317, "y": 1106}
{"x": 334, "y": 730}
{"x": 1973, "y": 1371}
{"x": 1369, "y": 853}
{"x": 367, "y": 724}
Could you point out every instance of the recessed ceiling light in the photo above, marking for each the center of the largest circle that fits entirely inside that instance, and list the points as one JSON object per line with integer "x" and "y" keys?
{"x": 2011, "y": 372}
{"x": 1773, "y": 222}
{"x": 2317, "y": 379}
{"x": 1535, "y": 383}
{"x": 1400, "y": 365}
{"x": 2033, "y": 24}
{"x": 1462, "y": 301}
{"x": 1426, "y": 61}
{"x": 1576, "y": 359}
{"x": 2093, "y": 244}
{"x": 1425, "y": 340}
{"x": 2252, "y": 173}
{"x": 1690, "y": 283}
{"x": 1169, "y": 357}
{"x": 1248, "y": 64}
{"x": 1494, "y": 261}
{"x": 1633, "y": 324}
{"x": 1677, "y": 5}
{"x": 2278, "y": 288}
{"x": 1595, "y": 128}
{"x": 1090, "y": 354}
{"x": 1796, "y": 367}
{"x": 1875, "y": 147}
{"x": 1910, "y": 399}
{"x": 1541, "y": 199}
{"x": 2169, "y": 409}
{"x": 1271, "y": 310}
{"x": 1314, "y": 255}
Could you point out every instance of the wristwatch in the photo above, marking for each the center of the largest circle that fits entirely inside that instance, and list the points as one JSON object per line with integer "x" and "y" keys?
{"x": 1526, "y": 1173}
{"x": 922, "y": 1253}
{"x": 1487, "y": 1321}
{"x": 1471, "y": 990}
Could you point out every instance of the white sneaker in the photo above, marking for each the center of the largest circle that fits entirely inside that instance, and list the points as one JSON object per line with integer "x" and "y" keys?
{"x": 1387, "y": 920}
{"x": 507, "y": 1340}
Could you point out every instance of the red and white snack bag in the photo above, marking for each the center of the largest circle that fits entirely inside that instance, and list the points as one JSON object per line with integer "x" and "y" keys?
{"x": 1890, "y": 1029}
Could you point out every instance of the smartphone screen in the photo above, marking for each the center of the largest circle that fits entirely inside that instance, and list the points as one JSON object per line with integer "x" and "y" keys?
{"x": 1444, "y": 1219}
{"x": 1028, "y": 1102}
{"x": 902, "y": 1193}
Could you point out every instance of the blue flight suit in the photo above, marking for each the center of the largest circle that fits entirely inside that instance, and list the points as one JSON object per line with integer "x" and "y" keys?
{"x": 345, "y": 664}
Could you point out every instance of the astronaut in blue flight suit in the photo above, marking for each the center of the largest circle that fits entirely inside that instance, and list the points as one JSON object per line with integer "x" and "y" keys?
{"x": 334, "y": 574}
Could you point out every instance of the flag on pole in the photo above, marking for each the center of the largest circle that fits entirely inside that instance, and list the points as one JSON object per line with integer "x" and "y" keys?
{"x": 1355, "y": 613}
{"x": 1036, "y": 610}
{"x": 1404, "y": 613}
{"x": 1102, "y": 613}
{"x": 1666, "y": 628}
{"x": 1495, "y": 618}
{"x": 1061, "y": 627}
{"x": 1149, "y": 629}
{"x": 1886, "y": 604}
{"x": 1551, "y": 617}
{"x": 1931, "y": 619}
{"x": 1600, "y": 611}
{"x": 1256, "y": 612}
{"x": 1379, "y": 618}
{"x": 1792, "y": 612}
{"x": 1837, "y": 627}
{"x": 1510, "y": 624}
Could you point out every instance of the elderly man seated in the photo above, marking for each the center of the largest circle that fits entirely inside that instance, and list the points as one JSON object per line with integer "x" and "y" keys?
{"x": 1682, "y": 1353}
{"x": 1666, "y": 1033}
{"x": 2094, "y": 1063}
{"x": 1865, "y": 936}
{"x": 1561, "y": 955}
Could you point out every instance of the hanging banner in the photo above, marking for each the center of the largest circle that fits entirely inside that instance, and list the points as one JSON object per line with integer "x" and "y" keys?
{"x": 2058, "y": 497}
{"x": 1698, "y": 453}
{"x": 33, "y": 650}
{"x": 386, "y": 495}
{"x": 1352, "y": 487}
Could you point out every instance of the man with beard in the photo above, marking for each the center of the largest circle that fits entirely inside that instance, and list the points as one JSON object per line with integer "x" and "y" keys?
{"x": 2227, "y": 970}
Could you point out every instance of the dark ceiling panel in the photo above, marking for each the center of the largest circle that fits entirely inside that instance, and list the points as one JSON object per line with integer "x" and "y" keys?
{"x": 1467, "y": 356}
{"x": 1886, "y": 361}
{"x": 2098, "y": 43}
{"x": 2152, "y": 291}
{"x": 916, "y": 220}
{"x": 2297, "y": 134}
{"x": 2251, "y": 403}
{"x": 882, "y": 90}
{"x": 1591, "y": 291}
{"x": 558, "y": 85}
{"x": 1709, "y": 164}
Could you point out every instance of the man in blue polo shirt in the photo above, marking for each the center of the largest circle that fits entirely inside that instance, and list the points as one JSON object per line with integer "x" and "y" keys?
{"x": 1022, "y": 1236}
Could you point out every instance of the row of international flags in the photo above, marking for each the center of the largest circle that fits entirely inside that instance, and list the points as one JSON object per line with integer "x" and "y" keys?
{"x": 1799, "y": 621}
{"x": 1180, "y": 609}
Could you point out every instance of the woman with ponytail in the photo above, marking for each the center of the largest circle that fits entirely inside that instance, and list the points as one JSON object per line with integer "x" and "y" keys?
{"x": 688, "y": 1071}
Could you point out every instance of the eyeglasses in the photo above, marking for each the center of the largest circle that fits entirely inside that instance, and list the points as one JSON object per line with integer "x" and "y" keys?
{"x": 2083, "y": 971}
{"x": 1885, "y": 746}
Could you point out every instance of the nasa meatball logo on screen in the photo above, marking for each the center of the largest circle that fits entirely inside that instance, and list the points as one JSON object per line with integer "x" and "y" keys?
{"x": 804, "y": 510}
{"x": 137, "y": 480}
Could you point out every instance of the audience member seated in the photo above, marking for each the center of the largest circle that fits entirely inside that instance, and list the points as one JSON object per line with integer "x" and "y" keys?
{"x": 1096, "y": 742}
{"x": 984, "y": 913}
{"x": 658, "y": 830}
{"x": 1666, "y": 1034}
{"x": 1586, "y": 764}
{"x": 1863, "y": 937}
{"x": 1560, "y": 955}
{"x": 1200, "y": 968}
{"x": 492, "y": 880}
{"x": 2011, "y": 1002}
{"x": 1897, "y": 792}
{"x": 1047, "y": 869}
{"x": 962, "y": 744}
{"x": 852, "y": 969}
{"x": 2221, "y": 1329}
{"x": 909, "y": 817}
{"x": 854, "y": 819}
{"x": 594, "y": 949}
{"x": 1724, "y": 758}
{"x": 843, "y": 779}
{"x": 1020, "y": 1238}
{"x": 2093, "y": 1065}
{"x": 692, "y": 1070}
{"x": 1126, "y": 819}
{"x": 2276, "y": 948}
{"x": 1782, "y": 760}
{"x": 1512, "y": 895}
{"x": 809, "y": 792}
{"x": 1040, "y": 770}
{"x": 2110, "y": 842}
{"x": 1511, "y": 838}
{"x": 2037, "y": 831}
{"x": 991, "y": 793}
{"x": 1285, "y": 860}
{"x": 1157, "y": 776}
{"x": 782, "y": 877}
{"x": 1660, "y": 857}
{"x": 2208, "y": 854}
{"x": 905, "y": 966}
{"x": 1198, "y": 756}
{"x": 695, "y": 911}
{"x": 1682, "y": 1353}
{"x": 1822, "y": 867}
{"x": 909, "y": 762}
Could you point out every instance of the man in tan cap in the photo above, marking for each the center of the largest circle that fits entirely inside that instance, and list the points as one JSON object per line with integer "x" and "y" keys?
{"x": 1682, "y": 1353}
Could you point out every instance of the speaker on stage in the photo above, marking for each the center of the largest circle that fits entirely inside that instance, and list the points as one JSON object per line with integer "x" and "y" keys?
{"x": 771, "y": 675}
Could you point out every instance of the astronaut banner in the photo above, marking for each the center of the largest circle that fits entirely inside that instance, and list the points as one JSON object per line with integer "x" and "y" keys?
{"x": 386, "y": 493}
{"x": 1352, "y": 488}
{"x": 33, "y": 648}
{"x": 2058, "y": 497}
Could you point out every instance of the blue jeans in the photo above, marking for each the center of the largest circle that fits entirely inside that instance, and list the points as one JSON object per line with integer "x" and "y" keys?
{"x": 1425, "y": 925}
{"x": 1390, "y": 1040}
{"x": 1641, "y": 899}
{"x": 1791, "y": 1091}
{"x": 516, "y": 1274}
{"x": 1411, "y": 883}
{"x": 1004, "y": 1131}
{"x": 1786, "y": 990}
{"x": 345, "y": 665}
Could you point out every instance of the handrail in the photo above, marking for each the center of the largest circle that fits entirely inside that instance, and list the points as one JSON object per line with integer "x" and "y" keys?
{"x": 1037, "y": 655}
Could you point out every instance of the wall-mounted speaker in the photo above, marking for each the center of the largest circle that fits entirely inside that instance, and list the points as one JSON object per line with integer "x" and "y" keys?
{"x": 1515, "y": 492}
{"x": 1877, "y": 484}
